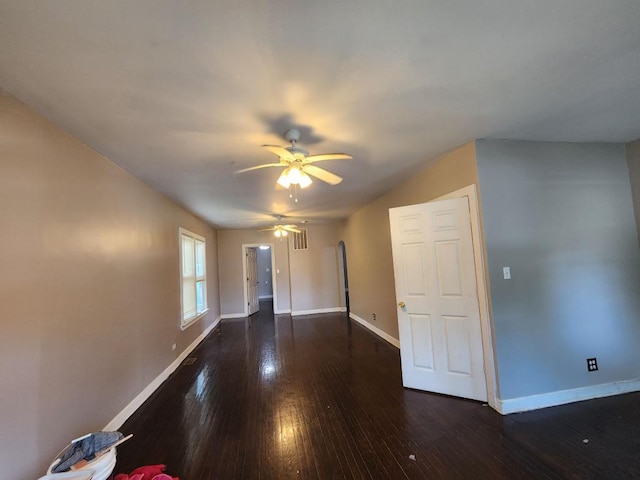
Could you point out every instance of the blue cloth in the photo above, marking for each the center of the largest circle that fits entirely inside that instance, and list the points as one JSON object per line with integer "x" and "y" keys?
{"x": 85, "y": 449}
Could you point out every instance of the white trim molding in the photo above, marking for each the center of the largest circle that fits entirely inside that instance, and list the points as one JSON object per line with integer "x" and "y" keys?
{"x": 561, "y": 397}
{"x": 233, "y": 315}
{"x": 137, "y": 402}
{"x": 282, "y": 312}
{"x": 385, "y": 336}
{"x": 318, "y": 310}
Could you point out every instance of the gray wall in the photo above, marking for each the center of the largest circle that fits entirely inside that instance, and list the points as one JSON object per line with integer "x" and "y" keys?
{"x": 265, "y": 287}
{"x": 561, "y": 216}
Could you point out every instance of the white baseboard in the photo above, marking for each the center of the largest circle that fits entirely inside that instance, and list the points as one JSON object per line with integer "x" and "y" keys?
{"x": 552, "y": 399}
{"x": 137, "y": 402}
{"x": 385, "y": 336}
{"x": 282, "y": 312}
{"x": 318, "y": 310}
{"x": 264, "y": 297}
{"x": 233, "y": 315}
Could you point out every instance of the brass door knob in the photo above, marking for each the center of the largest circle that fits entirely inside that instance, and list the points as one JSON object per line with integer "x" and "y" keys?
{"x": 401, "y": 305}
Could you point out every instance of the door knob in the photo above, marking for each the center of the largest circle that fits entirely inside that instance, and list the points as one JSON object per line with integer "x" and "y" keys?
{"x": 401, "y": 304}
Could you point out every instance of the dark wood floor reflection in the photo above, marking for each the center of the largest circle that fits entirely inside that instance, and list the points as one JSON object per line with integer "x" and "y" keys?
{"x": 320, "y": 397}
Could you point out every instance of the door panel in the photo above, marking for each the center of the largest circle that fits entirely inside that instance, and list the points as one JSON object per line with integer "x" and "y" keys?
{"x": 422, "y": 341}
{"x": 414, "y": 271}
{"x": 457, "y": 344}
{"x": 252, "y": 281}
{"x": 448, "y": 269}
{"x": 440, "y": 334}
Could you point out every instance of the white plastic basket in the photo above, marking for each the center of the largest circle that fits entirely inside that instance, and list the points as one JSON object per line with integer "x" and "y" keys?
{"x": 102, "y": 466}
{"x": 79, "y": 475}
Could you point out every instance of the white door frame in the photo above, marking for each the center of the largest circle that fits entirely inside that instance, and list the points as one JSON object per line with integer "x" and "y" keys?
{"x": 245, "y": 309}
{"x": 481, "y": 281}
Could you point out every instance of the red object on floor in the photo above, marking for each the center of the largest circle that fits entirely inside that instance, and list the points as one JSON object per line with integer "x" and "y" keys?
{"x": 149, "y": 472}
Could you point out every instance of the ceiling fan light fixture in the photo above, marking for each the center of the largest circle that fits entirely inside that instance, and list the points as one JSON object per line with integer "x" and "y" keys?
{"x": 277, "y": 233}
{"x": 294, "y": 174}
{"x": 284, "y": 233}
{"x": 284, "y": 179}
{"x": 305, "y": 180}
{"x": 298, "y": 165}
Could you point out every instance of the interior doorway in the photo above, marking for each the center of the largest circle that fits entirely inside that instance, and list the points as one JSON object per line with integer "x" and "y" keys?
{"x": 265, "y": 284}
{"x": 252, "y": 280}
{"x": 344, "y": 275}
{"x": 258, "y": 266}
{"x": 438, "y": 315}
{"x": 443, "y": 317}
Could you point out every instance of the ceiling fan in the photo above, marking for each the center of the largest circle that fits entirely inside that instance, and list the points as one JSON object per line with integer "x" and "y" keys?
{"x": 282, "y": 230}
{"x": 298, "y": 164}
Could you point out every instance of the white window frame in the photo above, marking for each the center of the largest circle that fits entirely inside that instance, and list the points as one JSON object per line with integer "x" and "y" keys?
{"x": 186, "y": 322}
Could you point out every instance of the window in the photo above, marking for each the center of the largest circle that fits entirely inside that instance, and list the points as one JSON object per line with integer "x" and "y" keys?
{"x": 193, "y": 277}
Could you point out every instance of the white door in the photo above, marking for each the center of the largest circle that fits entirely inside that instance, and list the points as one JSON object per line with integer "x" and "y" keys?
{"x": 252, "y": 281}
{"x": 438, "y": 311}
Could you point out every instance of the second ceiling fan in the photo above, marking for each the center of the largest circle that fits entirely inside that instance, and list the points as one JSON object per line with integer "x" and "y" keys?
{"x": 298, "y": 165}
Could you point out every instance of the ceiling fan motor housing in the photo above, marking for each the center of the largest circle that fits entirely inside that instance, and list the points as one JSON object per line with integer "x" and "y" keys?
{"x": 292, "y": 135}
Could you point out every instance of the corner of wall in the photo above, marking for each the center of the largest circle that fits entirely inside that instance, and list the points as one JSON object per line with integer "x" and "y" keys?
{"x": 632, "y": 153}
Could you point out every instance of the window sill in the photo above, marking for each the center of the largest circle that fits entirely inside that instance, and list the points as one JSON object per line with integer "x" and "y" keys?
{"x": 188, "y": 323}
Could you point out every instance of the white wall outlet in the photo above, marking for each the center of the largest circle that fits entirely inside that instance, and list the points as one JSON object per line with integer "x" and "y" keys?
{"x": 506, "y": 273}
{"x": 173, "y": 347}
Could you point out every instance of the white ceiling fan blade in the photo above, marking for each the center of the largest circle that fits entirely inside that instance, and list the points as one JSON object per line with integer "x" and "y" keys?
{"x": 259, "y": 166}
{"x": 327, "y": 156}
{"x": 291, "y": 228}
{"x": 268, "y": 229}
{"x": 281, "y": 152}
{"x": 322, "y": 174}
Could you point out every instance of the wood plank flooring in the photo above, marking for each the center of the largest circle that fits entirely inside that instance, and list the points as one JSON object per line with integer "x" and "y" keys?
{"x": 320, "y": 397}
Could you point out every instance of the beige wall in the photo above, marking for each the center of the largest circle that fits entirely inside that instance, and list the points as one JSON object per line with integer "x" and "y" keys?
{"x": 315, "y": 284}
{"x": 313, "y": 273}
{"x": 230, "y": 266}
{"x": 368, "y": 239}
{"x": 89, "y": 289}
{"x": 633, "y": 161}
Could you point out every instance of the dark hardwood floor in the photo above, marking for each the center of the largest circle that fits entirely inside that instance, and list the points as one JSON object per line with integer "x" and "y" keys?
{"x": 320, "y": 397}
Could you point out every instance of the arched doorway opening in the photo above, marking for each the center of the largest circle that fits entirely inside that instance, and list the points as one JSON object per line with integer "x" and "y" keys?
{"x": 342, "y": 259}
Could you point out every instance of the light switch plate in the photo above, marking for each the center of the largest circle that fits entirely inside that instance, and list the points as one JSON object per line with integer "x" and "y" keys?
{"x": 506, "y": 273}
